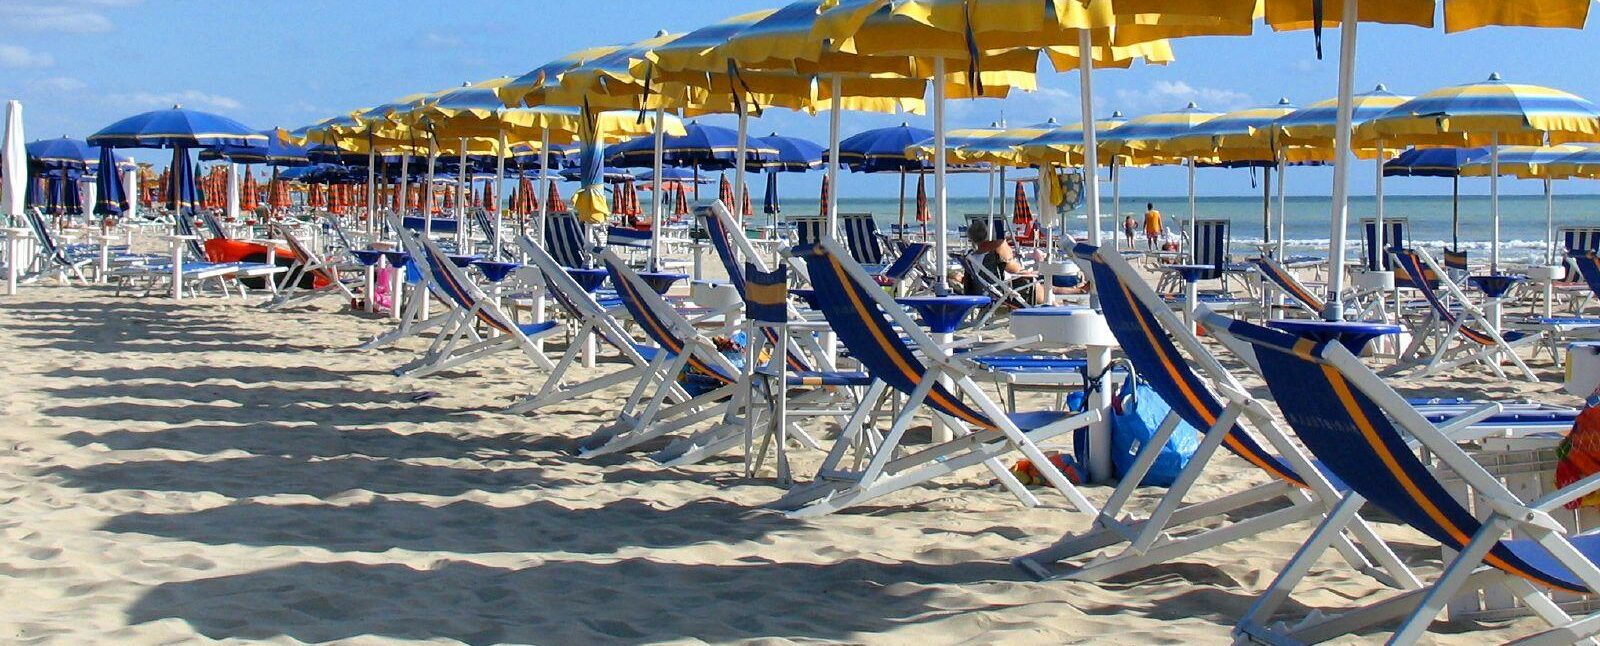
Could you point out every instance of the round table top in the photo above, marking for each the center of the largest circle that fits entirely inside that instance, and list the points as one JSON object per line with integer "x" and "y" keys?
{"x": 1353, "y": 335}
{"x": 1190, "y": 272}
{"x": 1496, "y": 285}
{"x": 462, "y": 260}
{"x": 943, "y": 314}
{"x": 1054, "y": 310}
{"x": 948, "y": 300}
{"x": 496, "y": 271}
{"x": 368, "y": 257}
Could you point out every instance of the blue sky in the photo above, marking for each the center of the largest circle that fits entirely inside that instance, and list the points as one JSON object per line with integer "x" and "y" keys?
{"x": 77, "y": 65}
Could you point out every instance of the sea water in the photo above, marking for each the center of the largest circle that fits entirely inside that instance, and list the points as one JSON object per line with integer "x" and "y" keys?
{"x": 1522, "y": 218}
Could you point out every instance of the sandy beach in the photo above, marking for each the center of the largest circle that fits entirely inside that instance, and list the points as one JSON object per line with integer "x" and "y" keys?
{"x": 177, "y": 472}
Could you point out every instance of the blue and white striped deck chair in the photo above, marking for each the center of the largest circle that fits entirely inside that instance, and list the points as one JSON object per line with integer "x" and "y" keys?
{"x": 488, "y": 223}
{"x": 680, "y": 348}
{"x": 862, "y": 238}
{"x": 1574, "y": 239}
{"x": 808, "y": 229}
{"x": 415, "y": 317}
{"x": 891, "y": 347}
{"x": 53, "y": 257}
{"x": 459, "y": 340}
{"x": 590, "y": 320}
{"x": 1279, "y": 278}
{"x": 830, "y": 396}
{"x": 1211, "y": 247}
{"x": 999, "y": 227}
{"x": 1558, "y": 330}
{"x": 309, "y": 266}
{"x": 1457, "y": 338}
{"x": 1375, "y": 254}
{"x": 1206, "y": 396}
{"x": 568, "y": 240}
{"x": 1367, "y": 435}
{"x": 633, "y": 244}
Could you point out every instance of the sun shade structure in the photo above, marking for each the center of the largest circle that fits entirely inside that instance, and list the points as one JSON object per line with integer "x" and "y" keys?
{"x": 1493, "y": 113}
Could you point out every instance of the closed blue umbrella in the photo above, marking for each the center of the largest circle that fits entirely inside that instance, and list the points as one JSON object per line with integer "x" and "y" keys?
{"x": 71, "y": 199}
{"x": 111, "y": 200}
{"x": 185, "y": 195}
{"x": 770, "y": 205}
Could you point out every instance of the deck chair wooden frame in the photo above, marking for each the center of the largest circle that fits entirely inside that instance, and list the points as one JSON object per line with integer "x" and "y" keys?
{"x": 870, "y": 324}
{"x": 1150, "y": 334}
{"x": 1365, "y": 433}
{"x": 1457, "y": 339}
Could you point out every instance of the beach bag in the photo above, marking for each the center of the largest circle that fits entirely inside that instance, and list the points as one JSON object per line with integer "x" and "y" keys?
{"x": 1578, "y": 455}
{"x": 1136, "y": 414}
{"x": 381, "y": 296}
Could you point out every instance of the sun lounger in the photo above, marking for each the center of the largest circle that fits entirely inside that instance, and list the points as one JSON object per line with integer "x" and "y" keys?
{"x": 1367, "y": 435}
{"x": 1456, "y": 338}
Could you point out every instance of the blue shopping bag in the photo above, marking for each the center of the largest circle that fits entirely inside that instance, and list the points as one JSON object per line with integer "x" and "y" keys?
{"x": 1136, "y": 414}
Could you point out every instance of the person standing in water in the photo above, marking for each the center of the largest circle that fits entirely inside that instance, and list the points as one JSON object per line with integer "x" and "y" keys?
{"x": 1152, "y": 224}
{"x": 1127, "y": 230}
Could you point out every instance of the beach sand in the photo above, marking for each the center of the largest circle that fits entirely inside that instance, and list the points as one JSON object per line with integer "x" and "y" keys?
{"x": 176, "y": 472}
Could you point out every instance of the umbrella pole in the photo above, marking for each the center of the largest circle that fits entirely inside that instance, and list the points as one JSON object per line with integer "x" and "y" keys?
{"x": 1341, "y": 162}
{"x": 372, "y": 194}
{"x": 1099, "y": 356}
{"x": 941, "y": 222}
{"x": 232, "y": 210}
{"x": 1266, "y": 204}
{"x": 1494, "y": 205}
{"x": 463, "y": 188}
{"x": 1194, "y": 214}
{"x": 404, "y": 202}
{"x": 901, "y": 233}
{"x": 1002, "y": 192}
{"x": 427, "y": 206}
{"x": 1116, "y": 194}
{"x": 832, "y": 207}
{"x": 740, "y": 150}
{"x": 659, "y": 220}
{"x": 544, "y": 189}
{"x": 1455, "y": 213}
{"x": 1283, "y": 213}
{"x": 1378, "y": 210}
{"x": 499, "y": 181}
{"x": 1549, "y": 224}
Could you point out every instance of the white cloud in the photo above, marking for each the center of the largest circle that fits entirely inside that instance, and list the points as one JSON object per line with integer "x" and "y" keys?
{"x": 436, "y": 40}
{"x": 190, "y": 98}
{"x": 1172, "y": 95}
{"x": 71, "y": 16}
{"x": 58, "y": 84}
{"x": 18, "y": 56}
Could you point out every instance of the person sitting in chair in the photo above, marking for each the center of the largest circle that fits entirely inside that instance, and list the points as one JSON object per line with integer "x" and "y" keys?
{"x": 999, "y": 259}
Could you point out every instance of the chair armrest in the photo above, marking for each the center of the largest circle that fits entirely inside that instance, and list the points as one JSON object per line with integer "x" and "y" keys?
{"x": 1566, "y": 494}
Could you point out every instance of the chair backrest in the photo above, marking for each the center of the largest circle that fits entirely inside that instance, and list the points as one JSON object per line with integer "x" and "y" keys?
{"x": 1397, "y": 234}
{"x": 1211, "y": 246}
{"x": 1280, "y": 276}
{"x": 809, "y": 229}
{"x": 183, "y": 225}
{"x": 214, "y": 225}
{"x": 338, "y": 230}
{"x": 1588, "y": 263}
{"x": 1346, "y": 416}
{"x": 455, "y": 282}
{"x": 720, "y": 232}
{"x": 1580, "y": 239}
{"x": 305, "y": 255}
{"x": 567, "y": 240}
{"x": 573, "y": 298}
{"x": 999, "y": 227}
{"x": 1146, "y": 329}
{"x": 1416, "y": 262}
{"x": 485, "y": 223}
{"x": 627, "y": 238}
{"x": 910, "y": 255}
{"x": 861, "y": 235}
{"x": 662, "y": 324}
{"x": 766, "y": 294}
{"x": 876, "y": 329}
{"x": 41, "y": 231}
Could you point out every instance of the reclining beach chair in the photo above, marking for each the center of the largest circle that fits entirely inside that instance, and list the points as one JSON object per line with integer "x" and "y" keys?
{"x": 1002, "y": 293}
{"x": 568, "y": 240}
{"x": 52, "y": 257}
{"x": 1363, "y": 432}
{"x": 1280, "y": 279}
{"x": 196, "y": 270}
{"x": 459, "y": 340}
{"x": 681, "y": 350}
{"x": 832, "y": 392}
{"x": 1457, "y": 339}
{"x": 313, "y": 268}
{"x": 1575, "y": 239}
{"x": 862, "y": 238}
{"x": 592, "y": 322}
{"x": 1558, "y": 330}
{"x": 1375, "y": 253}
{"x": 891, "y": 347}
{"x": 1149, "y": 334}
{"x": 999, "y": 227}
